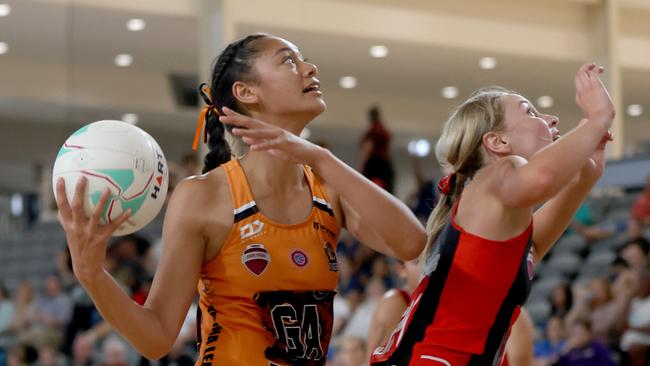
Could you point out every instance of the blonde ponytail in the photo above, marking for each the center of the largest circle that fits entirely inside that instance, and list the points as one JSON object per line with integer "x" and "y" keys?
{"x": 459, "y": 151}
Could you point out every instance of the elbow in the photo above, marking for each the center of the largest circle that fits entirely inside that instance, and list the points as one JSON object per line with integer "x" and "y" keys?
{"x": 413, "y": 245}
{"x": 157, "y": 350}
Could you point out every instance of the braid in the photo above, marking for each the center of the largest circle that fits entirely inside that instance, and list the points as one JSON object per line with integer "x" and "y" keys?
{"x": 234, "y": 64}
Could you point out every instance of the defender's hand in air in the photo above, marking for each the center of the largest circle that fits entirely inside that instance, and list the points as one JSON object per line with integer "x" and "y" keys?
{"x": 591, "y": 95}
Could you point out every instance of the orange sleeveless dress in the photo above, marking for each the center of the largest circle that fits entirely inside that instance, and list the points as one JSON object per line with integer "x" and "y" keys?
{"x": 267, "y": 297}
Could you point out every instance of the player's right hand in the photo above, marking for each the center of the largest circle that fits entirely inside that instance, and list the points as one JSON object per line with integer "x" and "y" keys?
{"x": 592, "y": 96}
{"x": 87, "y": 240}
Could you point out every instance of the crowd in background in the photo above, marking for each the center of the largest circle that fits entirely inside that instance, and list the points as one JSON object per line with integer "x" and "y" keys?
{"x": 605, "y": 321}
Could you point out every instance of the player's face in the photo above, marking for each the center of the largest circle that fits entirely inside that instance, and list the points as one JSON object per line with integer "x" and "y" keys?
{"x": 287, "y": 84}
{"x": 527, "y": 130}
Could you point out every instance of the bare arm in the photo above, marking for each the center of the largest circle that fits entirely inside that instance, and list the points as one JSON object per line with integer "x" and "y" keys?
{"x": 387, "y": 315}
{"x": 555, "y": 216}
{"x": 551, "y": 169}
{"x": 374, "y": 216}
{"x": 151, "y": 328}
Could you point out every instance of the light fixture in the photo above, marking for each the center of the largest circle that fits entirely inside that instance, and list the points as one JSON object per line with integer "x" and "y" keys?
{"x": 136, "y": 24}
{"x": 379, "y": 51}
{"x": 17, "y": 206}
{"x": 5, "y": 10}
{"x": 634, "y": 110}
{"x": 4, "y": 48}
{"x": 450, "y": 92}
{"x": 130, "y": 118}
{"x": 487, "y": 63}
{"x": 545, "y": 101}
{"x": 123, "y": 60}
{"x": 305, "y": 134}
{"x": 348, "y": 82}
{"x": 419, "y": 148}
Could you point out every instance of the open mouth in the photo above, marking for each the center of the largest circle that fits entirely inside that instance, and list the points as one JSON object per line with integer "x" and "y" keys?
{"x": 313, "y": 87}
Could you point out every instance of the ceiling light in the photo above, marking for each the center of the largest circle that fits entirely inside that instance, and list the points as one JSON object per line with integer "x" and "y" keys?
{"x": 4, "y": 48}
{"x": 130, "y": 118}
{"x": 487, "y": 63}
{"x": 5, "y": 10}
{"x": 378, "y": 51}
{"x": 419, "y": 148}
{"x": 123, "y": 60}
{"x": 136, "y": 24}
{"x": 450, "y": 92}
{"x": 634, "y": 110}
{"x": 348, "y": 82}
{"x": 306, "y": 133}
{"x": 545, "y": 101}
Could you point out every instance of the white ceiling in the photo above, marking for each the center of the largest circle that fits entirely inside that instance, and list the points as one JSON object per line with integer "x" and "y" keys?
{"x": 60, "y": 65}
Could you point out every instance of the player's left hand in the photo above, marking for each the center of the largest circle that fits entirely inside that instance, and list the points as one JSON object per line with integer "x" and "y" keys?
{"x": 262, "y": 136}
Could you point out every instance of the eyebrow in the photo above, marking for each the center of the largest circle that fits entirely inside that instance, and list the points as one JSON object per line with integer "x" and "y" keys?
{"x": 283, "y": 49}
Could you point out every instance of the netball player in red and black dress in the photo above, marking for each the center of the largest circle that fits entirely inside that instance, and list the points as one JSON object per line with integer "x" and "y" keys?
{"x": 484, "y": 235}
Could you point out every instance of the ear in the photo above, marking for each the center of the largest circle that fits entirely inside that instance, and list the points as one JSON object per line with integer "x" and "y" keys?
{"x": 244, "y": 93}
{"x": 495, "y": 143}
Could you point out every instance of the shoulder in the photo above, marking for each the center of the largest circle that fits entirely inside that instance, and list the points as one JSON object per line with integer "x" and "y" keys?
{"x": 200, "y": 197}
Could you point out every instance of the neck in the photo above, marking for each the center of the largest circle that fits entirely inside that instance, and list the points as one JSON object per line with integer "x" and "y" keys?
{"x": 274, "y": 173}
{"x": 292, "y": 123}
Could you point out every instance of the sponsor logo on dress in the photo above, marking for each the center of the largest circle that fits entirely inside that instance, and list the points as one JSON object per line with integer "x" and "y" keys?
{"x": 256, "y": 258}
{"x": 252, "y": 229}
{"x": 299, "y": 258}
{"x": 530, "y": 265}
{"x": 332, "y": 262}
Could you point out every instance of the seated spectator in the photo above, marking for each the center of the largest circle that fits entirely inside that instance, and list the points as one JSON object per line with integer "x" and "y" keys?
{"x": 6, "y": 309}
{"x": 49, "y": 356}
{"x": 635, "y": 253}
{"x": 82, "y": 351}
{"x": 114, "y": 353}
{"x": 359, "y": 323}
{"x": 53, "y": 309}
{"x": 636, "y": 339}
{"x": 24, "y": 310}
{"x": 640, "y": 214}
{"x": 582, "y": 350}
{"x": 548, "y": 350}
{"x": 561, "y": 300}
{"x": 605, "y": 306}
{"x": 585, "y": 225}
{"x": 352, "y": 352}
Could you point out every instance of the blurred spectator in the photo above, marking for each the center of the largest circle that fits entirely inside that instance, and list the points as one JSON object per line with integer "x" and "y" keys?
{"x": 379, "y": 269}
{"x": 359, "y": 324}
{"x": 375, "y": 159}
{"x": 49, "y": 356}
{"x": 636, "y": 339}
{"x": 585, "y": 225}
{"x": 605, "y": 306}
{"x": 582, "y": 350}
{"x": 6, "y": 309}
{"x": 114, "y": 353}
{"x": 561, "y": 300}
{"x": 640, "y": 214}
{"x": 53, "y": 309}
{"x": 393, "y": 304}
{"x": 64, "y": 270}
{"x": 547, "y": 351}
{"x": 24, "y": 309}
{"x": 426, "y": 192}
{"x": 82, "y": 352}
{"x": 635, "y": 253}
{"x": 348, "y": 279}
{"x": 352, "y": 351}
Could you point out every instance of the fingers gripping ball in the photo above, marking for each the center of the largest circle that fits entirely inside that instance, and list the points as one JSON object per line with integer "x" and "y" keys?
{"x": 122, "y": 158}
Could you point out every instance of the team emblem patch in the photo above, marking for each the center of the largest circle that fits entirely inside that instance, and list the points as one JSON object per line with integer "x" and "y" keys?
{"x": 256, "y": 258}
{"x": 331, "y": 257}
{"x": 530, "y": 265}
{"x": 299, "y": 258}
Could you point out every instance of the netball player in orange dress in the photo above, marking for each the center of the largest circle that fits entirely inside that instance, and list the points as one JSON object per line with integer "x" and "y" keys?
{"x": 484, "y": 235}
{"x": 256, "y": 234}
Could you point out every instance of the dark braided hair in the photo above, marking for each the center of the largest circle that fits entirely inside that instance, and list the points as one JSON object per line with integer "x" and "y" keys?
{"x": 233, "y": 64}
